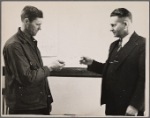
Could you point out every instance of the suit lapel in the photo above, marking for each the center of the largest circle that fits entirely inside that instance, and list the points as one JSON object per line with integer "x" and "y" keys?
{"x": 127, "y": 49}
{"x": 112, "y": 47}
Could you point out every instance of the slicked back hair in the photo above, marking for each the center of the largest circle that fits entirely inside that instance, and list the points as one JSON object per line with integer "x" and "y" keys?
{"x": 31, "y": 13}
{"x": 122, "y": 13}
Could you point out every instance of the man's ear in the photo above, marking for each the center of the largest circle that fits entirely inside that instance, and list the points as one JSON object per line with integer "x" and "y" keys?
{"x": 26, "y": 21}
{"x": 126, "y": 23}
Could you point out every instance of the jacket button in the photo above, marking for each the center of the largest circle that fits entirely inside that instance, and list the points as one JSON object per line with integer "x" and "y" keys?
{"x": 41, "y": 92}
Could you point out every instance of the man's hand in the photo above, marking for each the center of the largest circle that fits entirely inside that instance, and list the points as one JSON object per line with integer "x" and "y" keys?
{"x": 86, "y": 60}
{"x": 57, "y": 65}
{"x": 131, "y": 111}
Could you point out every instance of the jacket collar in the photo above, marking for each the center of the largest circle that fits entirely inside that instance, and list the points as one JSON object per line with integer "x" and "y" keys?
{"x": 25, "y": 38}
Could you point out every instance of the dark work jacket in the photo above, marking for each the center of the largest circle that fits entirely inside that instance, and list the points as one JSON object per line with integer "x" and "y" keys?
{"x": 125, "y": 83}
{"x": 26, "y": 77}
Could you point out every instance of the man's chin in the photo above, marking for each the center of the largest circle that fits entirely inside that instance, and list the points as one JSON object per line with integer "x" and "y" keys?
{"x": 115, "y": 36}
{"x": 34, "y": 34}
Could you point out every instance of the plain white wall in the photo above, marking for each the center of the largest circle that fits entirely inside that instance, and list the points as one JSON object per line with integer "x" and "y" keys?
{"x": 69, "y": 31}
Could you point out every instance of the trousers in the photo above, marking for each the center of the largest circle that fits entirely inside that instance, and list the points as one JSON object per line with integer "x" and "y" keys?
{"x": 43, "y": 111}
{"x": 112, "y": 110}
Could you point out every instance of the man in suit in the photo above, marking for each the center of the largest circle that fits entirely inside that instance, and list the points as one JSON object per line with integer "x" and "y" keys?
{"x": 123, "y": 84}
{"x": 27, "y": 90}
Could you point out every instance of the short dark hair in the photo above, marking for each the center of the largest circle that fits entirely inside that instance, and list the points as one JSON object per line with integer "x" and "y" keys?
{"x": 122, "y": 12}
{"x": 31, "y": 13}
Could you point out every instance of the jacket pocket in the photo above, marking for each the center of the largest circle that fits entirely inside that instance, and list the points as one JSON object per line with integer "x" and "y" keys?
{"x": 33, "y": 66}
{"x": 30, "y": 95}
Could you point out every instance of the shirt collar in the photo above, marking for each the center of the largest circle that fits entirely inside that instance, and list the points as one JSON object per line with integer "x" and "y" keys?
{"x": 127, "y": 38}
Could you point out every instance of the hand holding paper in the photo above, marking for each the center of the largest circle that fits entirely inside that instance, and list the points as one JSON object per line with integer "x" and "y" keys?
{"x": 57, "y": 65}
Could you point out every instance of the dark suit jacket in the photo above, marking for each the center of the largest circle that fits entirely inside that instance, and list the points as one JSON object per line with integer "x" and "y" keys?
{"x": 127, "y": 75}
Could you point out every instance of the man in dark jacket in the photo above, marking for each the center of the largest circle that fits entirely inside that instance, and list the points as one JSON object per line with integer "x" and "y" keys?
{"x": 123, "y": 84}
{"x": 27, "y": 90}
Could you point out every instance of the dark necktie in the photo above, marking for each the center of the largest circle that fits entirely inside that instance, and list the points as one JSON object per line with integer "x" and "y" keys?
{"x": 119, "y": 45}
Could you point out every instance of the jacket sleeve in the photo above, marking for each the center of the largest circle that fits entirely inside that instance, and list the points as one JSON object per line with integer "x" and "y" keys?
{"x": 20, "y": 68}
{"x": 138, "y": 97}
{"x": 96, "y": 67}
